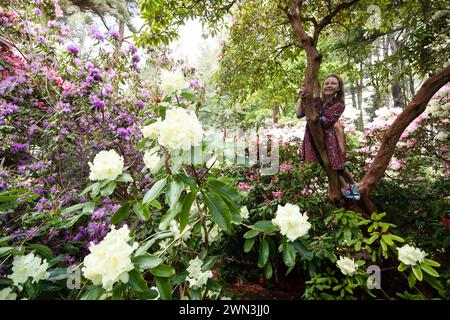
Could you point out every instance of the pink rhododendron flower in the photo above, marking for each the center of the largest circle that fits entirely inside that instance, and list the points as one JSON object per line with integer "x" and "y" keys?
{"x": 285, "y": 167}
{"x": 277, "y": 194}
{"x": 244, "y": 186}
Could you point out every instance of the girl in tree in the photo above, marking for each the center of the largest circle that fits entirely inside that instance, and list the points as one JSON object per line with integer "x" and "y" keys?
{"x": 330, "y": 107}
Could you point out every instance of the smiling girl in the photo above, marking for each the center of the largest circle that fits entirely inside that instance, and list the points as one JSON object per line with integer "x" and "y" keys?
{"x": 330, "y": 107}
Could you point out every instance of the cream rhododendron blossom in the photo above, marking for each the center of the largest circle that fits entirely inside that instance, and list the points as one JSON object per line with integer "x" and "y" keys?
{"x": 7, "y": 294}
{"x": 347, "y": 266}
{"x": 151, "y": 160}
{"x": 244, "y": 212}
{"x": 28, "y": 266}
{"x": 151, "y": 131}
{"x": 180, "y": 130}
{"x": 291, "y": 222}
{"x": 410, "y": 255}
{"x": 442, "y": 136}
{"x": 110, "y": 261}
{"x": 197, "y": 278}
{"x": 107, "y": 165}
{"x": 172, "y": 81}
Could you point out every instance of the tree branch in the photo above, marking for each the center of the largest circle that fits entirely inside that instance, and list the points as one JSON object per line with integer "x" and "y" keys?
{"x": 390, "y": 139}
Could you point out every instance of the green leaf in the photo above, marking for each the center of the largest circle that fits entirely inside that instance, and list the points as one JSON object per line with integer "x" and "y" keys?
{"x": 268, "y": 270}
{"x": 371, "y": 239}
{"x": 189, "y": 96}
{"x": 187, "y": 180}
{"x": 144, "y": 247}
{"x": 163, "y": 271}
{"x": 93, "y": 293}
{"x": 417, "y": 272}
{"x": 432, "y": 263}
{"x": 265, "y": 226}
{"x": 137, "y": 281}
{"x": 224, "y": 190}
{"x": 429, "y": 270}
{"x": 169, "y": 216}
{"x": 88, "y": 207}
{"x": 155, "y": 191}
{"x": 121, "y": 213}
{"x": 402, "y": 267}
{"x": 73, "y": 208}
{"x": 209, "y": 263}
{"x": 303, "y": 250}
{"x": 186, "y": 209}
{"x": 141, "y": 211}
{"x": 248, "y": 245}
{"x": 213, "y": 285}
{"x": 179, "y": 278}
{"x": 164, "y": 288}
{"x": 436, "y": 284}
{"x": 124, "y": 177}
{"x": 388, "y": 239}
{"x": 109, "y": 189}
{"x": 263, "y": 253}
{"x": 5, "y": 250}
{"x": 411, "y": 280}
{"x": 155, "y": 204}
{"x": 219, "y": 211}
{"x": 87, "y": 189}
{"x": 251, "y": 234}
{"x": 173, "y": 192}
{"x": 288, "y": 253}
{"x": 147, "y": 262}
{"x": 44, "y": 250}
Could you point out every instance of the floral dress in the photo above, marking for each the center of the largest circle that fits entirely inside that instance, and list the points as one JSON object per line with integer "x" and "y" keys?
{"x": 329, "y": 114}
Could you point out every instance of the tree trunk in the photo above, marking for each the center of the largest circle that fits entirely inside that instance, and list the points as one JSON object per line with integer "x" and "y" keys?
{"x": 396, "y": 90}
{"x": 313, "y": 59}
{"x": 412, "y": 111}
{"x": 359, "y": 89}
{"x": 275, "y": 113}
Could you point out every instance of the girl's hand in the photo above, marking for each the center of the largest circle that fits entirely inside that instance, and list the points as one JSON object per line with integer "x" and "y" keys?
{"x": 302, "y": 89}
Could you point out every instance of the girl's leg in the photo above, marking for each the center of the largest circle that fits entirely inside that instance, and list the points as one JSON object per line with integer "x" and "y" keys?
{"x": 345, "y": 174}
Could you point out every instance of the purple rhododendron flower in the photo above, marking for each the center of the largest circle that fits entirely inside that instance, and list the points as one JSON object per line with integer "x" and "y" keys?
{"x": 72, "y": 49}
{"x": 96, "y": 102}
{"x": 37, "y": 12}
{"x": 114, "y": 34}
{"x": 97, "y": 34}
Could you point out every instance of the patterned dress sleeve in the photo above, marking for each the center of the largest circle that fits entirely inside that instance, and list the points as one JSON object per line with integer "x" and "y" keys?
{"x": 331, "y": 114}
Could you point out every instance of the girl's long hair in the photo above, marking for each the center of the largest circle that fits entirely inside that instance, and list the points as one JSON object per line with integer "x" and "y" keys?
{"x": 340, "y": 95}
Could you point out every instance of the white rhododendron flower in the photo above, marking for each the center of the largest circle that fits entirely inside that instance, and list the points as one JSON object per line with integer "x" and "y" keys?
{"x": 28, "y": 266}
{"x": 107, "y": 165}
{"x": 441, "y": 136}
{"x": 180, "y": 130}
{"x": 291, "y": 222}
{"x": 197, "y": 278}
{"x": 173, "y": 81}
{"x": 151, "y": 160}
{"x": 109, "y": 261}
{"x": 7, "y": 294}
{"x": 347, "y": 266}
{"x": 410, "y": 255}
{"x": 151, "y": 131}
{"x": 175, "y": 228}
{"x": 244, "y": 212}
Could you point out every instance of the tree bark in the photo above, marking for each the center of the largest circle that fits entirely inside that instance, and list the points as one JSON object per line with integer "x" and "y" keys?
{"x": 313, "y": 59}
{"x": 275, "y": 113}
{"x": 412, "y": 111}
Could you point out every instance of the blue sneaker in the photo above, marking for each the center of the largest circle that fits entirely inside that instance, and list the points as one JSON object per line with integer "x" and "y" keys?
{"x": 355, "y": 191}
{"x": 347, "y": 193}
